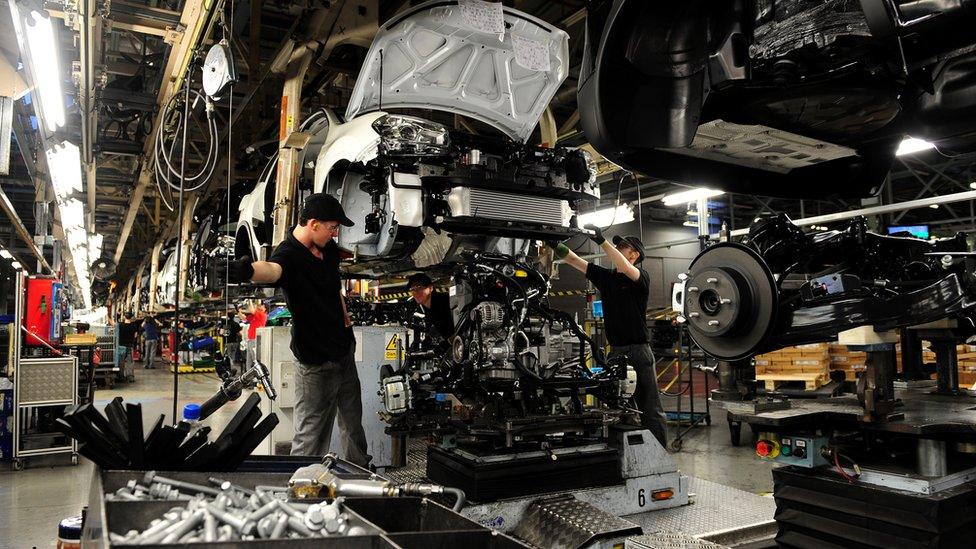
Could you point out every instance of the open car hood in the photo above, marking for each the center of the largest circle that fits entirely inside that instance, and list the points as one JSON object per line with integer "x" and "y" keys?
{"x": 433, "y": 57}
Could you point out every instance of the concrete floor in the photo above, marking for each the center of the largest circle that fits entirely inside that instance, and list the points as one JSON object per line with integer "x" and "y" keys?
{"x": 33, "y": 501}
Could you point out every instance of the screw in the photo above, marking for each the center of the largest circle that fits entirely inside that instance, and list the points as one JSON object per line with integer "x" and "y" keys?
{"x": 125, "y": 495}
{"x": 266, "y": 525}
{"x": 725, "y": 301}
{"x": 262, "y": 511}
{"x": 314, "y": 518}
{"x": 225, "y": 533}
{"x": 288, "y": 509}
{"x": 183, "y": 528}
{"x": 692, "y": 289}
{"x": 713, "y": 323}
{"x": 151, "y": 477}
{"x": 298, "y": 526}
{"x": 694, "y": 315}
{"x": 331, "y": 517}
{"x": 356, "y": 531}
{"x": 240, "y": 524}
{"x": 209, "y": 527}
{"x": 711, "y": 280}
{"x": 280, "y": 526}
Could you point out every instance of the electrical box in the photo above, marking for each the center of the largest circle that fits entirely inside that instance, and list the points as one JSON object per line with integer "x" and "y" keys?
{"x": 42, "y": 312}
{"x": 803, "y": 451}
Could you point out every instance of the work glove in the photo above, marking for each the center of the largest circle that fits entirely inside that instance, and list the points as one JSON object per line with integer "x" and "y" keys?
{"x": 559, "y": 250}
{"x": 241, "y": 270}
{"x": 597, "y": 235}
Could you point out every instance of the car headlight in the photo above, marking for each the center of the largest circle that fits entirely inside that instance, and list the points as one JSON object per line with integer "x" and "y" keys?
{"x": 410, "y": 136}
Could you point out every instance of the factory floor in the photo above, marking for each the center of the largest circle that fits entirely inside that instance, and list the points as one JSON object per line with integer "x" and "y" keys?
{"x": 34, "y": 500}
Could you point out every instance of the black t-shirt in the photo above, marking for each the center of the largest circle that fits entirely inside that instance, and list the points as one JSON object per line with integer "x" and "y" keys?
{"x": 624, "y": 304}
{"x": 311, "y": 285}
{"x": 439, "y": 316}
{"x": 127, "y": 332}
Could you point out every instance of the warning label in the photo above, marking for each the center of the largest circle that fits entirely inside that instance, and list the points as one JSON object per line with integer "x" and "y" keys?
{"x": 390, "y": 353}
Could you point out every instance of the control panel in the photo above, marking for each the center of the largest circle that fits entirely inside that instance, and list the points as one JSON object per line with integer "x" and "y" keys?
{"x": 801, "y": 450}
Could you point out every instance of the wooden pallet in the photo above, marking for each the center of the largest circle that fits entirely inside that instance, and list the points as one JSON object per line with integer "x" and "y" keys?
{"x": 812, "y": 381}
{"x": 187, "y": 369}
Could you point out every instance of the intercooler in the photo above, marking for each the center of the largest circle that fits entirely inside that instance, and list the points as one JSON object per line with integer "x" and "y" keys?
{"x": 470, "y": 202}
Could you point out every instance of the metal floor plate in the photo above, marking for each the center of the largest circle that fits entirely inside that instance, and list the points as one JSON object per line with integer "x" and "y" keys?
{"x": 720, "y": 513}
{"x": 718, "y": 510}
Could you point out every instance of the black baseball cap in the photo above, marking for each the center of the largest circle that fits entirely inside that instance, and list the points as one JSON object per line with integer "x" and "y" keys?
{"x": 325, "y": 207}
{"x": 419, "y": 279}
{"x": 631, "y": 241}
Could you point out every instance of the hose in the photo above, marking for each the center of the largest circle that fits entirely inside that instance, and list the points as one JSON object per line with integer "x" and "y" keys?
{"x": 460, "y": 498}
{"x": 163, "y": 159}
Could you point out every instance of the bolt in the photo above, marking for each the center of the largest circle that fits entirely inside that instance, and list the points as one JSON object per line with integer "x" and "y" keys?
{"x": 158, "y": 528}
{"x": 125, "y": 495}
{"x": 330, "y": 515}
{"x": 209, "y": 526}
{"x": 266, "y": 525}
{"x": 711, "y": 280}
{"x": 225, "y": 533}
{"x": 240, "y": 524}
{"x": 692, "y": 289}
{"x": 694, "y": 315}
{"x": 280, "y": 526}
{"x": 314, "y": 518}
{"x": 298, "y": 526}
{"x": 713, "y": 323}
{"x": 291, "y": 511}
{"x": 262, "y": 511}
{"x": 151, "y": 477}
{"x": 356, "y": 531}
{"x": 183, "y": 528}
{"x": 725, "y": 301}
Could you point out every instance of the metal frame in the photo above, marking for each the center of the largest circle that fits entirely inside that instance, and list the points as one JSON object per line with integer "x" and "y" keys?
{"x": 19, "y": 364}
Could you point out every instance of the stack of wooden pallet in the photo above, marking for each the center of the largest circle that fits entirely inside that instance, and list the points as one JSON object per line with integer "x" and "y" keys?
{"x": 966, "y": 354}
{"x": 847, "y": 361}
{"x": 809, "y": 364}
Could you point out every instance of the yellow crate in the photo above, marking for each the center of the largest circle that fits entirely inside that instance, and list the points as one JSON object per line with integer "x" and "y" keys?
{"x": 80, "y": 339}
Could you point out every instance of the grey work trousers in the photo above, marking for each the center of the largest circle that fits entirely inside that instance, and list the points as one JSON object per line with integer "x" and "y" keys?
{"x": 646, "y": 396}
{"x": 151, "y": 346}
{"x": 322, "y": 391}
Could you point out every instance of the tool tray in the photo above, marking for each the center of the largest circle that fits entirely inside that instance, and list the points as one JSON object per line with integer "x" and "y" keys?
{"x": 389, "y": 522}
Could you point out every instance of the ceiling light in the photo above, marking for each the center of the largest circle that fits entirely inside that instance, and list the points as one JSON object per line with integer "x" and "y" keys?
{"x": 45, "y": 68}
{"x": 757, "y": 220}
{"x": 972, "y": 185}
{"x": 911, "y": 145}
{"x": 16, "y": 265}
{"x": 607, "y": 216}
{"x": 690, "y": 224}
{"x": 64, "y": 163}
{"x": 5, "y": 254}
{"x": 691, "y": 195}
{"x": 934, "y": 206}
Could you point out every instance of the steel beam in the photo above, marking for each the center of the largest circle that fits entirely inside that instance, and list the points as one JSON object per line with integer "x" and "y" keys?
{"x": 193, "y": 19}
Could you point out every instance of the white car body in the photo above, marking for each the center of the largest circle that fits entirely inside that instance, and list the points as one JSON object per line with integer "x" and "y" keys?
{"x": 431, "y": 57}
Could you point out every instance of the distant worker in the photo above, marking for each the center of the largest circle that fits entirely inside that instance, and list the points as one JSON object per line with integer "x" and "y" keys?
{"x": 126, "y": 331}
{"x": 624, "y": 291}
{"x": 150, "y": 335}
{"x": 306, "y": 266}
{"x": 436, "y": 307}
{"x": 256, "y": 317}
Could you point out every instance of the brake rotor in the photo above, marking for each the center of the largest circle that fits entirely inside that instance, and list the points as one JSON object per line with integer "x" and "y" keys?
{"x": 730, "y": 301}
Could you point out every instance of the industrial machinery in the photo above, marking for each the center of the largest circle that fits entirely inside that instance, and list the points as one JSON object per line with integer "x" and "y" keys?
{"x": 906, "y": 447}
{"x": 522, "y": 402}
{"x": 515, "y": 371}
{"x": 776, "y": 97}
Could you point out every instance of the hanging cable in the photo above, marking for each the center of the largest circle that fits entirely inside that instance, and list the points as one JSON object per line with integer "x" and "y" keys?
{"x": 230, "y": 167}
{"x": 179, "y": 245}
{"x": 170, "y": 126}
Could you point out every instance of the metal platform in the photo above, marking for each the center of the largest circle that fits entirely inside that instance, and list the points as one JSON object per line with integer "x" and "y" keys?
{"x": 719, "y": 514}
{"x": 925, "y": 414}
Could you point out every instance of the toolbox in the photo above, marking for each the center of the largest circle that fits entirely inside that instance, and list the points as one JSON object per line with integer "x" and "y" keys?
{"x": 403, "y": 522}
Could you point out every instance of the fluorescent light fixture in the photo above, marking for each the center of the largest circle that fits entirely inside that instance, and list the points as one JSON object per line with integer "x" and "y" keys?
{"x": 757, "y": 220}
{"x": 64, "y": 163}
{"x": 972, "y": 185}
{"x": 934, "y": 206}
{"x": 45, "y": 68}
{"x": 607, "y": 216}
{"x": 5, "y": 254}
{"x": 691, "y": 195}
{"x": 911, "y": 145}
{"x": 16, "y": 265}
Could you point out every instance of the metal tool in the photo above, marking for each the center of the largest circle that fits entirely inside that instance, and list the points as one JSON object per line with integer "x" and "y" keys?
{"x": 232, "y": 389}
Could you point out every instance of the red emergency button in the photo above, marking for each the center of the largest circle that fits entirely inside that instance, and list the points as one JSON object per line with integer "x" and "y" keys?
{"x": 764, "y": 448}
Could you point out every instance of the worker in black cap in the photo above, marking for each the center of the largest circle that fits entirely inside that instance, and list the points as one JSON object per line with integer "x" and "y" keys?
{"x": 436, "y": 308}
{"x": 624, "y": 291}
{"x": 306, "y": 266}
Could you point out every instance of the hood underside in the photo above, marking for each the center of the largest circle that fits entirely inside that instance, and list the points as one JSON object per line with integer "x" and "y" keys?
{"x": 447, "y": 56}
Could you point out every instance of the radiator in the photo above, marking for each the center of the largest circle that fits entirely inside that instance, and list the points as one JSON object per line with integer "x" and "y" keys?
{"x": 488, "y": 204}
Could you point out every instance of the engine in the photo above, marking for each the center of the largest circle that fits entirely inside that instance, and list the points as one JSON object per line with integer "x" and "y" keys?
{"x": 515, "y": 370}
